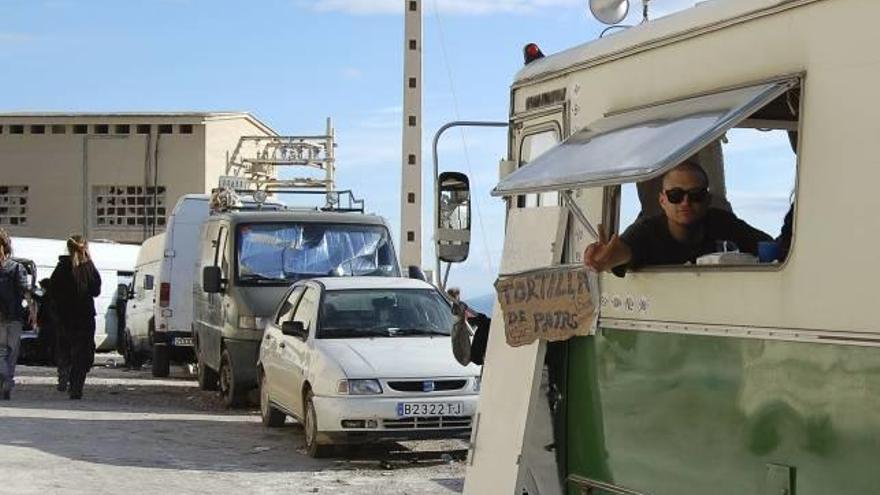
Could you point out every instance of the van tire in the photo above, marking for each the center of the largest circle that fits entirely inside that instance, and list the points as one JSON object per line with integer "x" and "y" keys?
{"x": 271, "y": 417}
{"x": 161, "y": 360}
{"x": 232, "y": 392}
{"x": 310, "y": 429}
{"x": 208, "y": 378}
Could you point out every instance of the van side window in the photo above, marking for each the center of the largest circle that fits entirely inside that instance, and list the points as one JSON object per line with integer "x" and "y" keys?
{"x": 285, "y": 313}
{"x": 532, "y": 146}
{"x": 752, "y": 174}
{"x": 220, "y": 257}
{"x": 307, "y": 308}
{"x": 148, "y": 282}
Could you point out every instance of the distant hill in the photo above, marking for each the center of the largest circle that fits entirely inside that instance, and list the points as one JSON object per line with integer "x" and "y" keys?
{"x": 483, "y": 304}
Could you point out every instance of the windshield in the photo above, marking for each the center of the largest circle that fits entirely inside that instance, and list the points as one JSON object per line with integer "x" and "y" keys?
{"x": 384, "y": 313}
{"x": 285, "y": 252}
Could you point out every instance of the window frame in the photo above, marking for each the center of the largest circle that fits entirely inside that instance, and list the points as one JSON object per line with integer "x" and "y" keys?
{"x": 612, "y": 196}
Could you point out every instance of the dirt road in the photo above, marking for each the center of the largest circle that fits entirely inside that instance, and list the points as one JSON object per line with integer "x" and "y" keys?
{"x": 135, "y": 434}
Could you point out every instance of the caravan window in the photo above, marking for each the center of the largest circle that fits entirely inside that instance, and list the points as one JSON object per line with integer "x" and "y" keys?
{"x": 532, "y": 146}
{"x": 752, "y": 173}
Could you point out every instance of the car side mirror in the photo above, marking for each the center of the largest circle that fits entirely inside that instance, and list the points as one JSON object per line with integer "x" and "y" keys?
{"x": 122, "y": 292}
{"x": 294, "y": 329}
{"x": 212, "y": 279}
{"x": 453, "y": 222}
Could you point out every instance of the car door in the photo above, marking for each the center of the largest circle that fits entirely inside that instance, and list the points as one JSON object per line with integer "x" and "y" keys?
{"x": 294, "y": 350}
{"x": 135, "y": 309}
{"x": 270, "y": 354}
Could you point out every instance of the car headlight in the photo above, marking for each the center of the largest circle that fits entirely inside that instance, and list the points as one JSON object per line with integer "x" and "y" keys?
{"x": 251, "y": 322}
{"x": 477, "y": 382}
{"x": 359, "y": 387}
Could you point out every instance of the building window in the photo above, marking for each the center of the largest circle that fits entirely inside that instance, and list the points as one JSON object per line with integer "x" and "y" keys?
{"x": 185, "y": 129}
{"x": 59, "y": 129}
{"x": 166, "y": 129}
{"x": 411, "y": 197}
{"x": 411, "y": 159}
{"x": 412, "y": 120}
{"x": 411, "y": 236}
{"x": 1, "y": 129}
{"x": 122, "y": 129}
{"x": 128, "y": 206}
{"x": 13, "y": 205}
{"x": 38, "y": 129}
{"x": 413, "y": 6}
{"x": 101, "y": 129}
{"x": 80, "y": 129}
{"x": 16, "y": 129}
{"x": 412, "y": 82}
{"x": 143, "y": 128}
{"x": 413, "y": 45}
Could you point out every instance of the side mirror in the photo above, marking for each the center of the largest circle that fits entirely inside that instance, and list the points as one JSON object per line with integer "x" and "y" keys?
{"x": 212, "y": 279}
{"x": 294, "y": 329}
{"x": 417, "y": 273}
{"x": 122, "y": 292}
{"x": 453, "y": 217}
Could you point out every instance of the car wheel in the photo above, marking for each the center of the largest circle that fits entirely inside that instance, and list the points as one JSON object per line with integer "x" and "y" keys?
{"x": 208, "y": 378}
{"x": 231, "y": 391}
{"x": 271, "y": 417}
{"x": 310, "y": 427}
{"x": 161, "y": 360}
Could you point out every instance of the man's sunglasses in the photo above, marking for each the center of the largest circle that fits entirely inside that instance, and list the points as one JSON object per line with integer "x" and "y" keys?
{"x": 676, "y": 195}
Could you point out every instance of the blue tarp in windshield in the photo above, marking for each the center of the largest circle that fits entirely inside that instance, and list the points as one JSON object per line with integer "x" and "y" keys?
{"x": 294, "y": 251}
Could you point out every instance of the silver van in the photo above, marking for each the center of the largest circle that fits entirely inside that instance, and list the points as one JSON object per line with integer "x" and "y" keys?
{"x": 248, "y": 260}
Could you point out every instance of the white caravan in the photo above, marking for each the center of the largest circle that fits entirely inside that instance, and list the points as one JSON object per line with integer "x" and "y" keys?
{"x": 141, "y": 305}
{"x": 115, "y": 263}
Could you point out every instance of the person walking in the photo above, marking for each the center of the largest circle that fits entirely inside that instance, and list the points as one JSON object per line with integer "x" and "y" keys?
{"x": 75, "y": 283}
{"x": 13, "y": 290}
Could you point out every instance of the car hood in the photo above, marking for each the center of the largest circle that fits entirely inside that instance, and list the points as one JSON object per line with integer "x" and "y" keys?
{"x": 395, "y": 357}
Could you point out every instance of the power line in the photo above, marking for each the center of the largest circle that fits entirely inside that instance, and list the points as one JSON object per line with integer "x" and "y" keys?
{"x": 467, "y": 159}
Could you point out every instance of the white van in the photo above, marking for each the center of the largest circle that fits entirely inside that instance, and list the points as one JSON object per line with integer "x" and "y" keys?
{"x": 141, "y": 305}
{"x": 172, "y": 336}
{"x": 115, "y": 263}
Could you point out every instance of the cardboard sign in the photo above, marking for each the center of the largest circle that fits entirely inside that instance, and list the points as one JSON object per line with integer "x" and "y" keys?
{"x": 550, "y": 304}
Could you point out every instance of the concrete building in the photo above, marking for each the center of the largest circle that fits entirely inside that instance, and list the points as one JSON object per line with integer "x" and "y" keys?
{"x": 111, "y": 176}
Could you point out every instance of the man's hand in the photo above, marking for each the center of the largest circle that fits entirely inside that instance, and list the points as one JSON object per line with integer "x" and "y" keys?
{"x": 606, "y": 253}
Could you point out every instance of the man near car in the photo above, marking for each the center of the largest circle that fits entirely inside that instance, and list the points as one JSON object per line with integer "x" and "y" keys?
{"x": 687, "y": 229}
{"x": 13, "y": 290}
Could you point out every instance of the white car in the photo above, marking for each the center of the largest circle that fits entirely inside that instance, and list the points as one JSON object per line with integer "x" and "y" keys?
{"x": 361, "y": 359}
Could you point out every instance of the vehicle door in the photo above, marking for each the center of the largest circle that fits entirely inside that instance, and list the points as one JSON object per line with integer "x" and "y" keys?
{"x": 294, "y": 350}
{"x": 270, "y": 352}
{"x": 136, "y": 308}
{"x": 216, "y": 303}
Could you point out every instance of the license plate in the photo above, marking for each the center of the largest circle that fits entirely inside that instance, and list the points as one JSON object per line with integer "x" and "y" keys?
{"x": 429, "y": 409}
{"x": 183, "y": 341}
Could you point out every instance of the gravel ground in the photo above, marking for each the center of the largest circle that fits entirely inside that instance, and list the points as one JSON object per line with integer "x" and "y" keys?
{"x": 136, "y": 434}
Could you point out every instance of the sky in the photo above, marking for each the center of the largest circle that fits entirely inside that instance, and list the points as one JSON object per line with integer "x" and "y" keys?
{"x": 292, "y": 63}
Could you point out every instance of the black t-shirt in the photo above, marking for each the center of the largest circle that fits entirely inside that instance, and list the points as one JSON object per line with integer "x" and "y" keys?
{"x": 652, "y": 244}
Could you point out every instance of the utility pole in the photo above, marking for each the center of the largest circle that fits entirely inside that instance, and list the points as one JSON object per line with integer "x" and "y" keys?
{"x": 411, "y": 163}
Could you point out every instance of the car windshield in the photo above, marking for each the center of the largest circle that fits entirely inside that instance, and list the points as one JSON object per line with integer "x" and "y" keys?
{"x": 285, "y": 252}
{"x": 384, "y": 313}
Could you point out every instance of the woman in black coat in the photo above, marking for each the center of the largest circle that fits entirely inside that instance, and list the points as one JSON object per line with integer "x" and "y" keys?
{"x": 75, "y": 284}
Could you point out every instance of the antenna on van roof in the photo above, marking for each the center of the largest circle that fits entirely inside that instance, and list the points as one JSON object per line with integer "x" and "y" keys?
{"x": 254, "y": 164}
{"x": 612, "y": 12}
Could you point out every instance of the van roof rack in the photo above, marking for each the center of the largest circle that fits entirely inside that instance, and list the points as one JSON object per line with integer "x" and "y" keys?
{"x": 255, "y": 165}
{"x": 225, "y": 199}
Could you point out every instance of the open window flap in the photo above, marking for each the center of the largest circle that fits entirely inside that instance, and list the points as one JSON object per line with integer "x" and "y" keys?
{"x": 640, "y": 144}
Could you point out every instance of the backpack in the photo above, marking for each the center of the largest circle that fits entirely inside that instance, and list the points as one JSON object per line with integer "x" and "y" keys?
{"x": 10, "y": 292}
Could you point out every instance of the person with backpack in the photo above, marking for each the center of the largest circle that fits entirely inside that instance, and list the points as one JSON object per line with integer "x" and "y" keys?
{"x": 75, "y": 283}
{"x": 13, "y": 290}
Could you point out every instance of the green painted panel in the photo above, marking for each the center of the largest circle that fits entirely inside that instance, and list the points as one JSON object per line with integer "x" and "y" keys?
{"x": 675, "y": 414}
